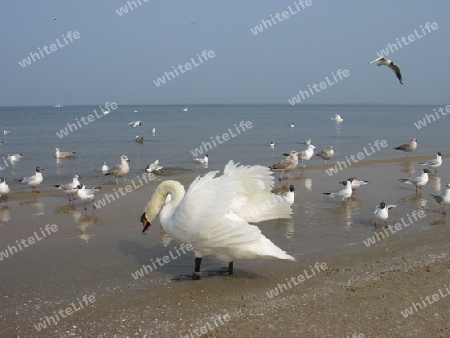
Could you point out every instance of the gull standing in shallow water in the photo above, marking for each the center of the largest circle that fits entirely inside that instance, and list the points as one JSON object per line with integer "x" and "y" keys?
{"x": 34, "y": 180}
{"x": 70, "y": 188}
{"x": 135, "y": 124}
{"x": 215, "y": 213}
{"x": 203, "y": 160}
{"x": 386, "y": 62}
{"x": 344, "y": 194}
{"x": 408, "y": 147}
{"x": 306, "y": 155}
{"x": 418, "y": 181}
{"x": 4, "y": 189}
{"x": 289, "y": 195}
{"x": 14, "y": 157}
{"x": 355, "y": 183}
{"x": 120, "y": 170}
{"x": 287, "y": 164}
{"x": 105, "y": 168}
{"x": 326, "y": 154}
{"x": 87, "y": 194}
{"x": 381, "y": 212}
{"x": 153, "y": 167}
{"x": 434, "y": 162}
{"x": 63, "y": 154}
{"x": 443, "y": 199}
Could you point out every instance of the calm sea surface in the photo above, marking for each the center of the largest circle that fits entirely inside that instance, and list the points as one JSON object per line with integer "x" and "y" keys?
{"x": 34, "y": 134}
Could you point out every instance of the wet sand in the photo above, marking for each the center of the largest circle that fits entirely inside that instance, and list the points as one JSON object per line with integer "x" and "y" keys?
{"x": 363, "y": 289}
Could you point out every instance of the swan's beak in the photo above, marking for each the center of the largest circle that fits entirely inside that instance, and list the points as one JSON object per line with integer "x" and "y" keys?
{"x": 145, "y": 224}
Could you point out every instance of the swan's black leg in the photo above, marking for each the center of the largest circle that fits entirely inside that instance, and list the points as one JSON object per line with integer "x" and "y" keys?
{"x": 196, "y": 275}
{"x": 230, "y": 268}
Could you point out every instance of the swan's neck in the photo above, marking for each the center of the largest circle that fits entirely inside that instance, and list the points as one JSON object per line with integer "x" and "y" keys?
{"x": 154, "y": 206}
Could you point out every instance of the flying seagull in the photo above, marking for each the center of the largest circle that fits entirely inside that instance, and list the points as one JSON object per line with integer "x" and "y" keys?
{"x": 386, "y": 62}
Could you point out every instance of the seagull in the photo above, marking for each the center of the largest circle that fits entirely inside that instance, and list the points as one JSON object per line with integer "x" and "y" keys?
{"x": 6, "y": 132}
{"x": 105, "y": 168}
{"x": 139, "y": 139}
{"x": 306, "y": 155}
{"x": 63, "y": 154}
{"x": 289, "y": 195}
{"x": 337, "y": 118}
{"x": 153, "y": 167}
{"x": 418, "y": 181}
{"x": 444, "y": 198}
{"x": 54, "y": 17}
{"x": 87, "y": 194}
{"x": 194, "y": 23}
{"x": 381, "y": 212}
{"x": 343, "y": 194}
{"x": 70, "y": 188}
{"x": 434, "y": 162}
{"x": 203, "y": 160}
{"x": 214, "y": 214}
{"x": 4, "y": 189}
{"x": 307, "y": 142}
{"x": 292, "y": 125}
{"x": 121, "y": 169}
{"x": 34, "y": 180}
{"x": 408, "y": 147}
{"x": 386, "y": 62}
{"x": 326, "y": 154}
{"x": 135, "y": 124}
{"x": 272, "y": 145}
{"x": 136, "y": 111}
{"x": 153, "y": 131}
{"x": 286, "y": 164}
{"x": 355, "y": 183}
{"x": 14, "y": 157}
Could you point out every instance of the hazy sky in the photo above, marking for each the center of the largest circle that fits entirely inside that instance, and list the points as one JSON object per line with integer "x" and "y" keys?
{"x": 117, "y": 58}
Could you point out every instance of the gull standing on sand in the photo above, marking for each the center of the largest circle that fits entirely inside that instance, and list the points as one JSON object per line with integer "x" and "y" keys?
{"x": 381, "y": 212}
{"x": 153, "y": 167}
{"x": 408, "y": 147}
{"x": 70, "y": 188}
{"x": 87, "y": 194}
{"x": 4, "y": 189}
{"x": 286, "y": 164}
{"x": 443, "y": 199}
{"x": 34, "y": 180}
{"x": 344, "y": 194}
{"x": 326, "y": 154}
{"x": 214, "y": 214}
{"x": 105, "y": 168}
{"x": 14, "y": 157}
{"x": 434, "y": 162}
{"x": 386, "y": 62}
{"x": 120, "y": 170}
{"x": 63, "y": 154}
{"x": 203, "y": 160}
{"x": 355, "y": 183}
{"x": 418, "y": 181}
{"x": 135, "y": 124}
{"x": 306, "y": 155}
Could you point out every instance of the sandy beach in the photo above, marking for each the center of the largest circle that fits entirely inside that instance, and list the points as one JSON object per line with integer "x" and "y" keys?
{"x": 338, "y": 286}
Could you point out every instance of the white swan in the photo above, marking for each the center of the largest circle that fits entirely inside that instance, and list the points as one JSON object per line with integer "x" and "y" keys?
{"x": 214, "y": 214}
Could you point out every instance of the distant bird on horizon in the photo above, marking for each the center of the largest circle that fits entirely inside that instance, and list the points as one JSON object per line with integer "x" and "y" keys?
{"x": 418, "y": 181}
{"x": 139, "y": 139}
{"x": 153, "y": 131}
{"x": 337, "y": 118}
{"x": 6, "y": 132}
{"x": 408, "y": 147}
{"x": 381, "y": 212}
{"x": 326, "y": 154}
{"x": 444, "y": 198}
{"x": 135, "y": 124}
{"x": 272, "y": 145}
{"x": 382, "y": 61}
{"x": 435, "y": 163}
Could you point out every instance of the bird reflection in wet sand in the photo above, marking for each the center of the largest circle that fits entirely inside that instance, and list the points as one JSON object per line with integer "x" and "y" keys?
{"x": 408, "y": 167}
{"x": 5, "y": 214}
{"x": 38, "y": 205}
{"x": 85, "y": 223}
{"x": 288, "y": 226}
{"x": 71, "y": 210}
{"x": 435, "y": 181}
{"x": 415, "y": 199}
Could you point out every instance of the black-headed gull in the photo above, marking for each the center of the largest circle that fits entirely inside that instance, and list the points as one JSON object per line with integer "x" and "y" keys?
{"x": 35, "y": 179}
{"x": 215, "y": 213}
{"x": 14, "y": 157}
{"x": 153, "y": 167}
{"x": 135, "y": 124}
{"x": 444, "y": 198}
{"x": 381, "y": 212}
{"x": 120, "y": 170}
{"x": 63, "y": 154}
{"x": 272, "y": 145}
{"x": 203, "y": 160}
{"x": 344, "y": 194}
{"x": 382, "y": 61}
{"x": 70, "y": 188}
{"x": 418, "y": 181}
{"x": 408, "y": 147}
{"x": 290, "y": 195}
{"x": 355, "y": 183}
{"x": 435, "y": 163}
{"x": 287, "y": 164}
{"x": 326, "y": 154}
{"x": 4, "y": 189}
{"x": 87, "y": 194}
